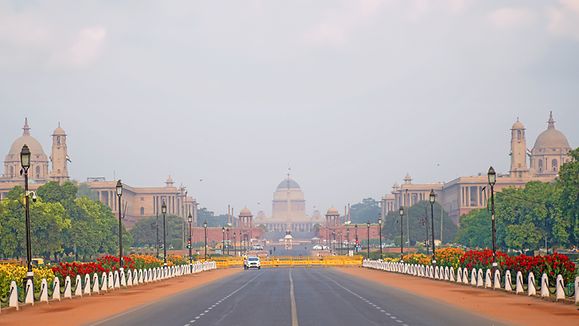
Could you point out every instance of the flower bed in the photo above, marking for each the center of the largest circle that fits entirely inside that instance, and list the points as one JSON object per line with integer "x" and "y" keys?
{"x": 14, "y": 272}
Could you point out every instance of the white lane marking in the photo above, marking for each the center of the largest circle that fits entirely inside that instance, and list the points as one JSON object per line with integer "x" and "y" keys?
{"x": 227, "y": 296}
{"x": 366, "y": 300}
{"x": 293, "y": 301}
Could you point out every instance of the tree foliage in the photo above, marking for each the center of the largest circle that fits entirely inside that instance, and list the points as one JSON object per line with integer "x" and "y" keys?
{"x": 144, "y": 232}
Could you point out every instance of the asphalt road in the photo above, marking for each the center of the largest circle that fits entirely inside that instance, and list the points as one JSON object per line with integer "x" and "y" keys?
{"x": 296, "y": 297}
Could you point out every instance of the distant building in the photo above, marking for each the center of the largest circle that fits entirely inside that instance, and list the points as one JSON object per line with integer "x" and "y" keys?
{"x": 137, "y": 202}
{"x": 463, "y": 194}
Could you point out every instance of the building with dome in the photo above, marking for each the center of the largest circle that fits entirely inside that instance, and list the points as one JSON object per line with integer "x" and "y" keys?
{"x": 137, "y": 202}
{"x": 463, "y": 194}
{"x": 288, "y": 210}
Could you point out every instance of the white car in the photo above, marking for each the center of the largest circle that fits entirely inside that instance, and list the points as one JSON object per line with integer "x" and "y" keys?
{"x": 251, "y": 262}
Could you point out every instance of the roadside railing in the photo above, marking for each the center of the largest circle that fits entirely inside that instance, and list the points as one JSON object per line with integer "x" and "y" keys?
{"x": 479, "y": 278}
{"x": 86, "y": 284}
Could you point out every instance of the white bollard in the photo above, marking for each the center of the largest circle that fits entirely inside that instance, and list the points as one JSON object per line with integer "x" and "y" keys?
{"x": 111, "y": 281}
{"x": 13, "y": 296}
{"x": 136, "y": 277}
{"x": 531, "y": 285}
{"x": 78, "y": 284}
{"x": 116, "y": 278}
{"x": 56, "y": 289}
{"x": 29, "y": 293}
{"x": 479, "y": 278}
{"x": 497, "y": 279}
{"x": 473, "y": 277}
{"x": 508, "y": 280}
{"x": 104, "y": 282}
{"x": 129, "y": 278}
{"x": 67, "y": 288}
{"x": 459, "y": 275}
{"x": 576, "y": 289}
{"x": 141, "y": 279}
{"x": 519, "y": 285}
{"x": 95, "y": 283}
{"x": 465, "y": 276}
{"x": 123, "y": 278}
{"x": 446, "y": 272}
{"x": 560, "y": 292}
{"x": 488, "y": 283}
{"x": 86, "y": 284}
{"x": 43, "y": 291}
{"x": 544, "y": 286}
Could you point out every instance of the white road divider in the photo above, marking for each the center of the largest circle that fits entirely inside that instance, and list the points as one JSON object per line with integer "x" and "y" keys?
{"x": 475, "y": 278}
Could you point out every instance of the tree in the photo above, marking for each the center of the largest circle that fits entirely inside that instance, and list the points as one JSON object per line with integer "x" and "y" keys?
{"x": 367, "y": 210}
{"x": 144, "y": 232}
{"x": 569, "y": 199}
{"x": 475, "y": 229}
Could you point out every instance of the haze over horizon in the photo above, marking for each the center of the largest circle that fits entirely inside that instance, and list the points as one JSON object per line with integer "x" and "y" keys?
{"x": 351, "y": 95}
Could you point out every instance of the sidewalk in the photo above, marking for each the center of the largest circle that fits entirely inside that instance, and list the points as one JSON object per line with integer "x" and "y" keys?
{"x": 89, "y": 309}
{"x": 498, "y": 305}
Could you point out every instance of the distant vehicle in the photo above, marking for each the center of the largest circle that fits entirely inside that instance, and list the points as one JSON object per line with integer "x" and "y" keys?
{"x": 317, "y": 247}
{"x": 257, "y": 247}
{"x": 251, "y": 262}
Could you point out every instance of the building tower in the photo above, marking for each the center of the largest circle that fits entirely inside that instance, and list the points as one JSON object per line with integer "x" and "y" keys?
{"x": 59, "y": 156}
{"x": 519, "y": 167}
{"x": 551, "y": 150}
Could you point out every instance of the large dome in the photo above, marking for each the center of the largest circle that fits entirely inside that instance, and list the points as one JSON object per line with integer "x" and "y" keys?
{"x": 288, "y": 183}
{"x": 551, "y": 138}
{"x": 35, "y": 147}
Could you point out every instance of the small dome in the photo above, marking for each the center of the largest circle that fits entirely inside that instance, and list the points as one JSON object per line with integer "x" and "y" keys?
{"x": 551, "y": 138}
{"x": 288, "y": 183}
{"x": 35, "y": 148}
{"x": 59, "y": 131}
{"x": 518, "y": 125}
{"x": 333, "y": 211}
{"x": 245, "y": 212}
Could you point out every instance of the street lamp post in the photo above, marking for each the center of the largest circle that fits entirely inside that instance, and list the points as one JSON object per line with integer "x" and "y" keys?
{"x": 25, "y": 163}
{"x": 334, "y": 242}
{"x": 380, "y": 234}
{"x": 348, "y": 236}
{"x": 234, "y": 243}
{"x": 205, "y": 229}
{"x": 432, "y": 199}
{"x": 368, "y": 229}
{"x": 340, "y": 251}
{"x": 190, "y": 241}
{"x": 356, "y": 235}
{"x": 223, "y": 240}
{"x": 228, "y": 238}
{"x": 164, "y": 212}
{"x": 401, "y": 212}
{"x": 492, "y": 176}
{"x": 119, "y": 195}
{"x": 157, "y": 235}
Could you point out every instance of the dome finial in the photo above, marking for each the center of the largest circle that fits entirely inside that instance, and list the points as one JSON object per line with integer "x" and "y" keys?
{"x": 551, "y": 122}
{"x": 26, "y": 128}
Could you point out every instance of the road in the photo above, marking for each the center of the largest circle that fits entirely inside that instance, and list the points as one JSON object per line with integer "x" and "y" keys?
{"x": 295, "y": 297}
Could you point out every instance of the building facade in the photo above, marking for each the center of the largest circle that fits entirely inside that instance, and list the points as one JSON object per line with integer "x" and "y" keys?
{"x": 136, "y": 202}
{"x": 464, "y": 194}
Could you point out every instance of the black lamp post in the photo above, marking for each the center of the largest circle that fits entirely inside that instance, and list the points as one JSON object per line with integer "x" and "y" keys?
{"x": 25, "y": 163}
{"x": 348, "y": 236}
{"x": 119, "y": 196}
{"x": 432, "y": 199}
{"x": 223, "y": 240}
{"x": 234, "y": 243}
{"x": 492, "y": 175}
{"x": 356, "y": 235}
{"x": 205, "y": 229}
{"x": 228, "y": 242}
{"x": 368, "y": 229}
{"x": 190, "y": 240}
{"x": 380, "y": 234}
{"x": 341, "y": 243}
{"x": 401, "y": 212}
{"x": 333, "y": 242}
{"x": 157, "y": 235}
{"x": 164, "y": 212}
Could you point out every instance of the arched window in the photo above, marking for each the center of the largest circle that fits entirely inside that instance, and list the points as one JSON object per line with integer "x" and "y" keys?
{"x": 142, "y": 211}
{"x": 11, "y": 171}
{"x": 554, "y": 165}
{"x": 37, "y": 171}
{"x": 540, "y": 165}
{"x": 518, "y": 135}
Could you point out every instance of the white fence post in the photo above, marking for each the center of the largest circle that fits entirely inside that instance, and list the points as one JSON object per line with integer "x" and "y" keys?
{"x": 497, "y": 279}
{"x": 67, "y": 289}
{"x": 43, "y": 291}
{"x": 488, "y": 283}
{"x": 123, "y": 279}
{"x": 95, "y": 283}
{"x": 13, "y": 301}
{"x": 459, "y": 275}
{"x": 104, "y": 282}
{"x": 560, "y": 292}
{"x": 544, "y": 286}
{"x": 519, "y": 286}
{"x": 576, "y": 289}
{"x": 508, "y": 286}
{"x": 110, "y": 281}
{"x": 29, "y": 292}
{"x": 56, "y": 289}
{"x": 78, "y": 284}
{"x": 116, "y": 283}
{"x": 86, "y": 284}
{"x": 129, "y": 278}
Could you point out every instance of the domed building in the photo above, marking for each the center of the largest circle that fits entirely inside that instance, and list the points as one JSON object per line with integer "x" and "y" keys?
{"x": 38, "y": 171}
{"x": 551, "y": 150}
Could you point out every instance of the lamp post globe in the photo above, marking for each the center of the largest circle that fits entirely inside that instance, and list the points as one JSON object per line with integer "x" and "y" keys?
{"x": 164, "y": 212}
{"x": 432, "y": 199}
{"x": 119, "y": 189}
{"x": 25, "y": 163}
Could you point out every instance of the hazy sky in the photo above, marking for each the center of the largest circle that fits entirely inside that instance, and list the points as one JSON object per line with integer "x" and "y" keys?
{"x": 351, "y": 95}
